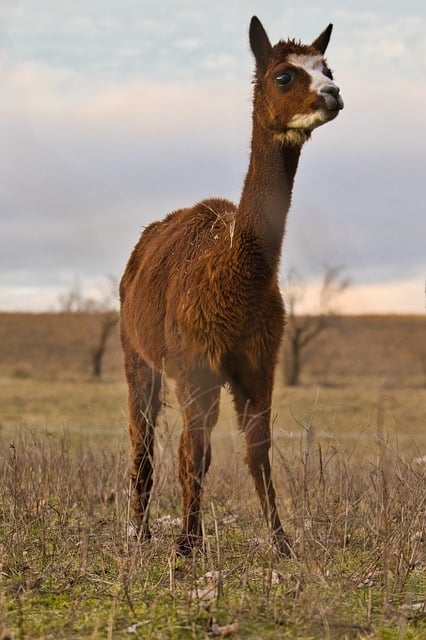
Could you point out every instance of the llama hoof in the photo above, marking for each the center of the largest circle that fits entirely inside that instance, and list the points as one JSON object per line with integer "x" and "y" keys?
{"x": 186, "y": 543}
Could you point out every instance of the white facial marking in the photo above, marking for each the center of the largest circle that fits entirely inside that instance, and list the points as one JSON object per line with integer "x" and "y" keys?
{"x": 313, "y": 65}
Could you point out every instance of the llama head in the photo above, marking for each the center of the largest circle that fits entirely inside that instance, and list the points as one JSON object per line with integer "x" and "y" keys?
{"x": 294, "y": 87}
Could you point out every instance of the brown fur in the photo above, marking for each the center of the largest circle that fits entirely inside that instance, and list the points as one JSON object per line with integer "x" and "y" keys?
{"x": 200, "y": 303}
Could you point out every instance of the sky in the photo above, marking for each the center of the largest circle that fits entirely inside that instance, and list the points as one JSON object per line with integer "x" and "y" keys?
{"x": 113, "y": 113}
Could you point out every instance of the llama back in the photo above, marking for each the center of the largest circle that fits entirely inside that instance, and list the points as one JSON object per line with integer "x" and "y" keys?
{"x": 160, "y": 285}
{"x": 193, "y": 286}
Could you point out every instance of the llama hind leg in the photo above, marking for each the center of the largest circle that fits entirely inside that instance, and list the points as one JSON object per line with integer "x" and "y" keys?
{"x": 254, "y": 413}
{"x": 144, "y": 385}
{"x": 200, "y": 407}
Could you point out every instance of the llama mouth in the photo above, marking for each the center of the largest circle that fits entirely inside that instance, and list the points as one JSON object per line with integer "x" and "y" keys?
{"x": 330, "y": 114}
{"x": 328, "y": 102}
{"x": 333, "y": 102}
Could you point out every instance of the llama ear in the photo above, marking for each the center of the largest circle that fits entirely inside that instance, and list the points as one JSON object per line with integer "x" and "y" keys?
{"x": 260, "y": 45}
{"x": 321, "y": 43}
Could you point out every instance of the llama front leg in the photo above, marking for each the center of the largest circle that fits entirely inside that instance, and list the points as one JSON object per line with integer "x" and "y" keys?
{"x": 144, "y": 386}
{"x": 254, "y": 419}
{"x": 200, "y": 412}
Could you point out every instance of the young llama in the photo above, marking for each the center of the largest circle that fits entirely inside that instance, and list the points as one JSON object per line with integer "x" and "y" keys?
{"x": 200, "y": 301}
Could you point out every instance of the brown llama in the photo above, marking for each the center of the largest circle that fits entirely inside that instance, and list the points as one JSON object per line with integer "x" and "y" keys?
{"x": 200, "y": 301}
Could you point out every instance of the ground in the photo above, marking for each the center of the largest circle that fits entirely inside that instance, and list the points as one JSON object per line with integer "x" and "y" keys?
{"x": 349, "y": 463}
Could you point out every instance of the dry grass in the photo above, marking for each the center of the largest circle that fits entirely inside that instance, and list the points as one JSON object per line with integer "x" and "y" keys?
{"x": 357, "y": 514}
{"x": 350, "y": 472}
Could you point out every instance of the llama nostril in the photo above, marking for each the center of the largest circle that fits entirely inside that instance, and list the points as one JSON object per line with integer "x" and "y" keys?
{"x": 330, "y": 88}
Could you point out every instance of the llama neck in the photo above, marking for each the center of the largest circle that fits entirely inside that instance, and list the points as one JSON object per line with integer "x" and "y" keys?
{"x": 266, "y": 195}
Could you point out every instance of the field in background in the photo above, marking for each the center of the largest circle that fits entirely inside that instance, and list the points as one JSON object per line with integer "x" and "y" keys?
{"x": 349, "y": 463}
{"x": 383, "y": 349}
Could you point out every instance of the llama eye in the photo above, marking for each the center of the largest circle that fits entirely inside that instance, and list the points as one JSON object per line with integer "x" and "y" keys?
{"x": 284, "y": 78}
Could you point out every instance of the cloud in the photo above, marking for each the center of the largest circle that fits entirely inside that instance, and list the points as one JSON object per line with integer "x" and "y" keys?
{"x": 384, "y": 40}
{"x": 86, "y": 170}
{"x": 356, "y": 198}
{"x": 94, "y": 156}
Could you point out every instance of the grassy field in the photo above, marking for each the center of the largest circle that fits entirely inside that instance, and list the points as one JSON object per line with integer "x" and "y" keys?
{"x": 349, "y": 466}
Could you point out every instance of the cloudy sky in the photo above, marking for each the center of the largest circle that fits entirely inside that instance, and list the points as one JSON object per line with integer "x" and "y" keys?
{"x": 113, "y": 113}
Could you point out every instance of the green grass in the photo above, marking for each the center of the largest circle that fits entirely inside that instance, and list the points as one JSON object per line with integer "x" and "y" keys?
{"x": 350, "y": 490}
{"x": 82, "y": 409}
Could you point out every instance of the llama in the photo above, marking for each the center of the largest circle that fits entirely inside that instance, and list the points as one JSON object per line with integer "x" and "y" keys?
{"x": 200, "y": 301}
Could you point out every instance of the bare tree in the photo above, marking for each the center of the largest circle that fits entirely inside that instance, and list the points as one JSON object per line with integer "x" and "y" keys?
{"x": 73, "y": 300}
{"x": 104, "y": 306}
{"x": 301, "y": 329}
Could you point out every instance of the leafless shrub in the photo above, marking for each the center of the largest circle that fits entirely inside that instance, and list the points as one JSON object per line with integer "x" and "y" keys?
{"x": 303, "y": 329}
{"x": 104, "y": 306}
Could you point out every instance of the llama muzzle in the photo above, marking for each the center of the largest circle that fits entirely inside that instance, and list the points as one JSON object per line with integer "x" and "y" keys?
{"x": 332, "y": 98}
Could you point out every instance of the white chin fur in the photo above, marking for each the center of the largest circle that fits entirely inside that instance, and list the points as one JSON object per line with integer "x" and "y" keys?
{"x": 308, "y": 121}
{"x": 294, "y": 137}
